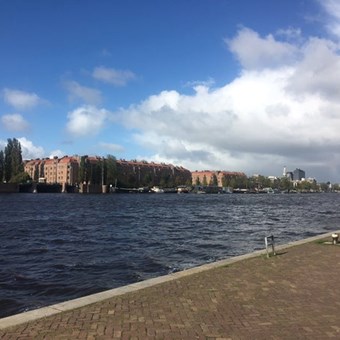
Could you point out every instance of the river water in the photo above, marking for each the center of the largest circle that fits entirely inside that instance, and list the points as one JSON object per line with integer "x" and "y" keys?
{"x": 56, "y": 247}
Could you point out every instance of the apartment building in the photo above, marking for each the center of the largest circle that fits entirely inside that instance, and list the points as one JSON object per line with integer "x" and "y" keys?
{"x": 208, "y": 177}
{"x": 51, "y": 170}
{"x": 135, "y": 173}
{"x": 68, "y": 170}
{"x": 141, "y": 173}
{"x": 55, "y": 170}
{"x": 35, "y": 169}
{"x": 298, "y": 174}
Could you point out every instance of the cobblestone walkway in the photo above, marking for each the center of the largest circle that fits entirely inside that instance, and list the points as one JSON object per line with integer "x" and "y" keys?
{"x": 294, "y": 295}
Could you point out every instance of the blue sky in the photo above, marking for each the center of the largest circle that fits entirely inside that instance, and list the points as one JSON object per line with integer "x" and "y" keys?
{"x": 238, "y": 85}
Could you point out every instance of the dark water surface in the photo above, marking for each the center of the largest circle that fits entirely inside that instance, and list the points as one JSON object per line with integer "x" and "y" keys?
{"x": 56, "y": 247}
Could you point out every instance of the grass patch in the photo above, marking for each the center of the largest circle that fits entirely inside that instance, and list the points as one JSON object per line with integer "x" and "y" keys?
{"x": 321, "y": 241}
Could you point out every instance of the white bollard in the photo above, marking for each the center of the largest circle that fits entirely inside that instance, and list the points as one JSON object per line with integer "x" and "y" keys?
{"x": 335, "y": 238}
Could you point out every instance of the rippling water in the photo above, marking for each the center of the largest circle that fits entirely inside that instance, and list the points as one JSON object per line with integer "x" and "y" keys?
{"x": 56, "y": 247}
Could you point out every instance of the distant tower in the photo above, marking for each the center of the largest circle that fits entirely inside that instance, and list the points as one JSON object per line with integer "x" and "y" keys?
{"x": 284, "y": 171}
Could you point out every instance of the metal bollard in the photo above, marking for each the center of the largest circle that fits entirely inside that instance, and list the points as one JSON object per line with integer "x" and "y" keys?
{"x": 269, "y": 241}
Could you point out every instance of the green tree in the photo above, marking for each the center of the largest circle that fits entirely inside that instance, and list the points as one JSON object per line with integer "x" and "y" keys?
{"x": 233, "y": 183}
{"x": 83, "y": 169}
{"x": 213, "y": 181}
{"x": 96, "y": 172}
{"x": 286, "y": 184}
{"x": 12, "y": 160}
{"x": 225, "y": 182}
{"x": 148, "y": 180}
{"x": 325, "y": 187}
{"x": 90, "y": 171}
{"x": 205, "y": 182}
{"x": 241, "y": 182}
{"x": 21, "y": 177}
{"x": 336, "y": 187}
{"x": 110, "y": 169}
{"x": 2, "y": 165}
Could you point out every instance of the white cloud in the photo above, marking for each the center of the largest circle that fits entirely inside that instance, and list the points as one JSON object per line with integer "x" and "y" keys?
{"x": 111, "y": 147}
{"x": 319, "y": 70}
{"x": 273, "y": 114}
{"x": 255, "y": 52}
{"x": 56, "y": 153}
{"x": 21, "y": 100}
{"x": 332, "y": 8}
{"x": 207, "y": 83}
{"x": 290, "y": 33}
{"x": 113, "y": 76}
{"x": 2, "y": 144}
{"x": 14, "y": 122}
{"x": 86, "y": 120}
{"x": 29, "y": 150}
{"x": 85, "y": 94}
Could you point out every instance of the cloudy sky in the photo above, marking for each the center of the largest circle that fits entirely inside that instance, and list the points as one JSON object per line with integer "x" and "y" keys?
{"x": 239, "y": 85}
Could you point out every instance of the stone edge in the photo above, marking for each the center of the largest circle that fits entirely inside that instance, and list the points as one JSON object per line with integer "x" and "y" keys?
{"x": 33, "y": 315}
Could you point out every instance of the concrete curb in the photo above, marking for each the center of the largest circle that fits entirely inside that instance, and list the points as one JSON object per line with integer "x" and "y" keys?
{"x": 98, "y": 297}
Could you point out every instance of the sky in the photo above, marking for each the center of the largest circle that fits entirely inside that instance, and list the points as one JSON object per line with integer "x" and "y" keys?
{"x": 234, "y": 85}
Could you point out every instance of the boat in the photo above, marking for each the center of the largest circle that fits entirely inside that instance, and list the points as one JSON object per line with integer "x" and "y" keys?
{"x": 182, "y": 189}
{"x": 157, "y": 190}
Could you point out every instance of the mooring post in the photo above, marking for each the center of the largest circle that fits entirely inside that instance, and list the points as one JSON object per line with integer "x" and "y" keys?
{"x": 335, "y": 238}
{"x": 269, "y": 241}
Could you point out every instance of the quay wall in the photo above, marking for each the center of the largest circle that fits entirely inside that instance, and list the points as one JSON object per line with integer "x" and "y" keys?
{"x": 98, "y": 297}
{"x": 9, "y": 188}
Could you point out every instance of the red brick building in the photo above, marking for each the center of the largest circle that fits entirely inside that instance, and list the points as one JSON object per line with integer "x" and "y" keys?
{"x": 55, "y": 170}
{"x": 66, "y": 170}
{"x": 142, "y": 173}
{"x": 208, "y": 177}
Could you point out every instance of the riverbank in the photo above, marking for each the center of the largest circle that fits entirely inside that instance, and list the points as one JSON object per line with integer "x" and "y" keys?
{"x": 291, "y": 295}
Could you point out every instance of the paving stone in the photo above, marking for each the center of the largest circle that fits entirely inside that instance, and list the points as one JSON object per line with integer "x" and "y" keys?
{"x": 293, "y": 295}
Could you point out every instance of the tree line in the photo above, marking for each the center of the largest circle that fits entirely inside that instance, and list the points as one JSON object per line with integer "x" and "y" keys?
{"x": 105, "y": 171}
{"x": 260, "y": 182}
{"x": 11, "y": 165}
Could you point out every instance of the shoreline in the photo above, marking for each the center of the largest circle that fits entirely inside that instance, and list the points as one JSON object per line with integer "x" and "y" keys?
{"x": 29, "y": 316}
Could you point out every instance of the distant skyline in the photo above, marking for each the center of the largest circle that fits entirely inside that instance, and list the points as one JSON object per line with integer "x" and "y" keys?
{"x": 238, "y": 85}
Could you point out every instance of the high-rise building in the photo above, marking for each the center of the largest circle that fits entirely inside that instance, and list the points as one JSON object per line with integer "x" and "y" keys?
{"x": 298, "y": 174}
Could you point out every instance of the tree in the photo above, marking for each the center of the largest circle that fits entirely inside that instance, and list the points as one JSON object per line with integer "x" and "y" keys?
{"x": 213, "y": 181}
{"x": 166, "y": 181}
{"x": 110, "y": 169}
{"x": 21, "y": 177}
{"x": 2, "y": 165}
{"x": 8, "y": 160}
{"x": 325, "y": 187}
{"x": 198, "y": 182}
{"x": 225, "y": 182}
{"x": 90, "y": 171}
{"x": 336, "y": 187}
{"x": 97, "y": 172}
{"x": 205, "y": 182}
{"x": 286, "y": 184}
{"x": 147, "y": 180}
{"x": 83, "y": 169}
{"x": 12, "y": 160}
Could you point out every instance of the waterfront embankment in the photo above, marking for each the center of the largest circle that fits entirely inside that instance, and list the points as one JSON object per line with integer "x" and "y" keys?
{"x": 292, "y": 295}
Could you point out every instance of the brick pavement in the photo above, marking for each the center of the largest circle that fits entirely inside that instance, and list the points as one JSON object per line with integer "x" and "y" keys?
{"x": 294, "y": 295}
